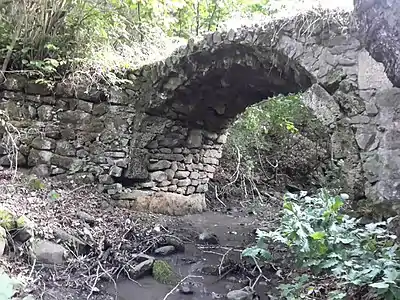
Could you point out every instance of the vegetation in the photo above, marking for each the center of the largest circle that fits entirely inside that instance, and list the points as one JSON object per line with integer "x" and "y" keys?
{"x": 163, "y": 272}
{"x": 53, "y": 37}
{"x": 360, "y": 259}
{"x": 279, "y": 141}
{"x": 276, "y": 140}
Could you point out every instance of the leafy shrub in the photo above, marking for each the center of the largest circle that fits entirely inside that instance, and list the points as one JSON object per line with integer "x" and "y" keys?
{"x": 327, "y": 241}
{"x": 279, "y": 140}
{"x": 51, "y": 36}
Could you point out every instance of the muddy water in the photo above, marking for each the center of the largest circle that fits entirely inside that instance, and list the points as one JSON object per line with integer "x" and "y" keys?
{"x": 233, "y": 231}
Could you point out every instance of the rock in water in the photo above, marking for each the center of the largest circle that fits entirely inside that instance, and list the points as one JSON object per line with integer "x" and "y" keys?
{"x": 186, "y": 289}
{"x": 49, "y": 252}
{"x": 165, "y": 250}
{"x": 208, "y": 238}
{"x": 141, "y": 269}
{"x": 239, "y": 295}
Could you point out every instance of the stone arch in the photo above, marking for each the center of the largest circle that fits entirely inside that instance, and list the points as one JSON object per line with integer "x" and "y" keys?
{"x": 199, "y": 91}
{"x": 213, "y": 87}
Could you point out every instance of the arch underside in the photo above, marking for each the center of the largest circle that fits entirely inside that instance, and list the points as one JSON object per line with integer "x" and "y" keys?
{"x": 222, "y": 84}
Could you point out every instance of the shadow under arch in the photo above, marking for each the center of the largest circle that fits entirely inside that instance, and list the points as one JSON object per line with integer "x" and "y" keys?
{"x": 218, "y": 85}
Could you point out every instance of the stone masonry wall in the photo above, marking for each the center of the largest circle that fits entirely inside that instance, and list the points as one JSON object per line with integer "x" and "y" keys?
{"x": 97, "y": 137}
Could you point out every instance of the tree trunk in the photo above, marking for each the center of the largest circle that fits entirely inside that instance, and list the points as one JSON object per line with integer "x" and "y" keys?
{"x": 379, "y": 28}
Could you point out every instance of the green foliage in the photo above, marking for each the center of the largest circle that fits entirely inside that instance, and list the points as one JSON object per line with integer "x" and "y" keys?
{"x": 54, "y": 196}
{"x": 327, "y": 241}
{"x": 296, "y": 290}
{"x": 277, "y": 139}
{"x": 53, "y": 36}
{"x": 36, "y": 184}
{"x": 163, "y": 272}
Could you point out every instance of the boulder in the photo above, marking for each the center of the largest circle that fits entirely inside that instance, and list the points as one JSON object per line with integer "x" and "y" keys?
{"x": 49, "y": 252}
{"x": 168, "y": 203}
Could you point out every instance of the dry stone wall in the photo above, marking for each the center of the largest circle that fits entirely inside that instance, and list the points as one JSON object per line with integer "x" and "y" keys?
{"x": 162, "y": 132}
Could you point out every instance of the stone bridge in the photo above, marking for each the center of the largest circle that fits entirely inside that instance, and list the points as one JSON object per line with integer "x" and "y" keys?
{"x": 163, "y": 132}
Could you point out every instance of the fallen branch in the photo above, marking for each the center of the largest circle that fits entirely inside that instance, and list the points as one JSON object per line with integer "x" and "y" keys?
{"x": 222, "y": 261}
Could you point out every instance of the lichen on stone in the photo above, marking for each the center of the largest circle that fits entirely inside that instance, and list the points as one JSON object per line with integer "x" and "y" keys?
{"x": 163, "y": 272}
{"x": 7, "y": 219}
{"x": 36, "y": 184}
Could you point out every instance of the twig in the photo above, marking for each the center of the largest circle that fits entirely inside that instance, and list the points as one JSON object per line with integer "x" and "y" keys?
{"x": 33, "y": 268}
{"x": 178, "y": 284}
{"x": 259, "y": 276}
{"x": 94, "y": 283}
{"x": 216, "y": 196}
{"x": 112, "y": 279}
{"x": 222, "y": 261}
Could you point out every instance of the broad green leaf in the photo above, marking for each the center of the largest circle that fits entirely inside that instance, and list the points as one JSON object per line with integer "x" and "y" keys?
{"x": 288, "y": 206}
{"x": 379, "y": 285}
{"x": 319, "y": 235}
{"x": 391, "y": 275}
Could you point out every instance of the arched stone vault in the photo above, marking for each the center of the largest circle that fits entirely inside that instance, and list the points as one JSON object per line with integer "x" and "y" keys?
{"x": 201, "y": 89}
{"x": 219, "y": 85}
{"x": 164, "y": 131}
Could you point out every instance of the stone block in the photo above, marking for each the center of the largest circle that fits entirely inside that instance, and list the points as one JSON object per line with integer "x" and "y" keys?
{"x": 65, "y": 148}
{"x": 170, "y": 174}
{"x": 195, "y": 139}
{"x": 160, "y": 165}
{"x": 202, "y": 188}
{"x": 138, "y": 164}
{"x": 182, "y": 174}
{"x": 84, "y": 106}
{"x": 37, "y": 157}
{"x": 72, "y": 164}
{"x": 115, "y": 171}
{"x": 194, "y": 175}
{"x": 158, "y": 176}
{"x": 184, "y": 182}
{"x": 45, "y": 113}
{"x": 106, "y": 179}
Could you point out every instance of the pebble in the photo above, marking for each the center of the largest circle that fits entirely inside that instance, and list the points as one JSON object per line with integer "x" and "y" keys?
{"x": 86, "y": 217}
{"x": 165, "y": 250}
{"x": 239, "y": 295}
{"x": 186, "y": 290}
{"x": 208, "y": 238}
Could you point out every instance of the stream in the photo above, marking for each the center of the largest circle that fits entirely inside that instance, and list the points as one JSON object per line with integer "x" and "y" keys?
{"x": 233, "y": 231}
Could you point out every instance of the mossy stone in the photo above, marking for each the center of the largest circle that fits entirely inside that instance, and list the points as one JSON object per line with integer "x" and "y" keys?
{"x": 7, "y": 219}
{"x": 163, "y": 272}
